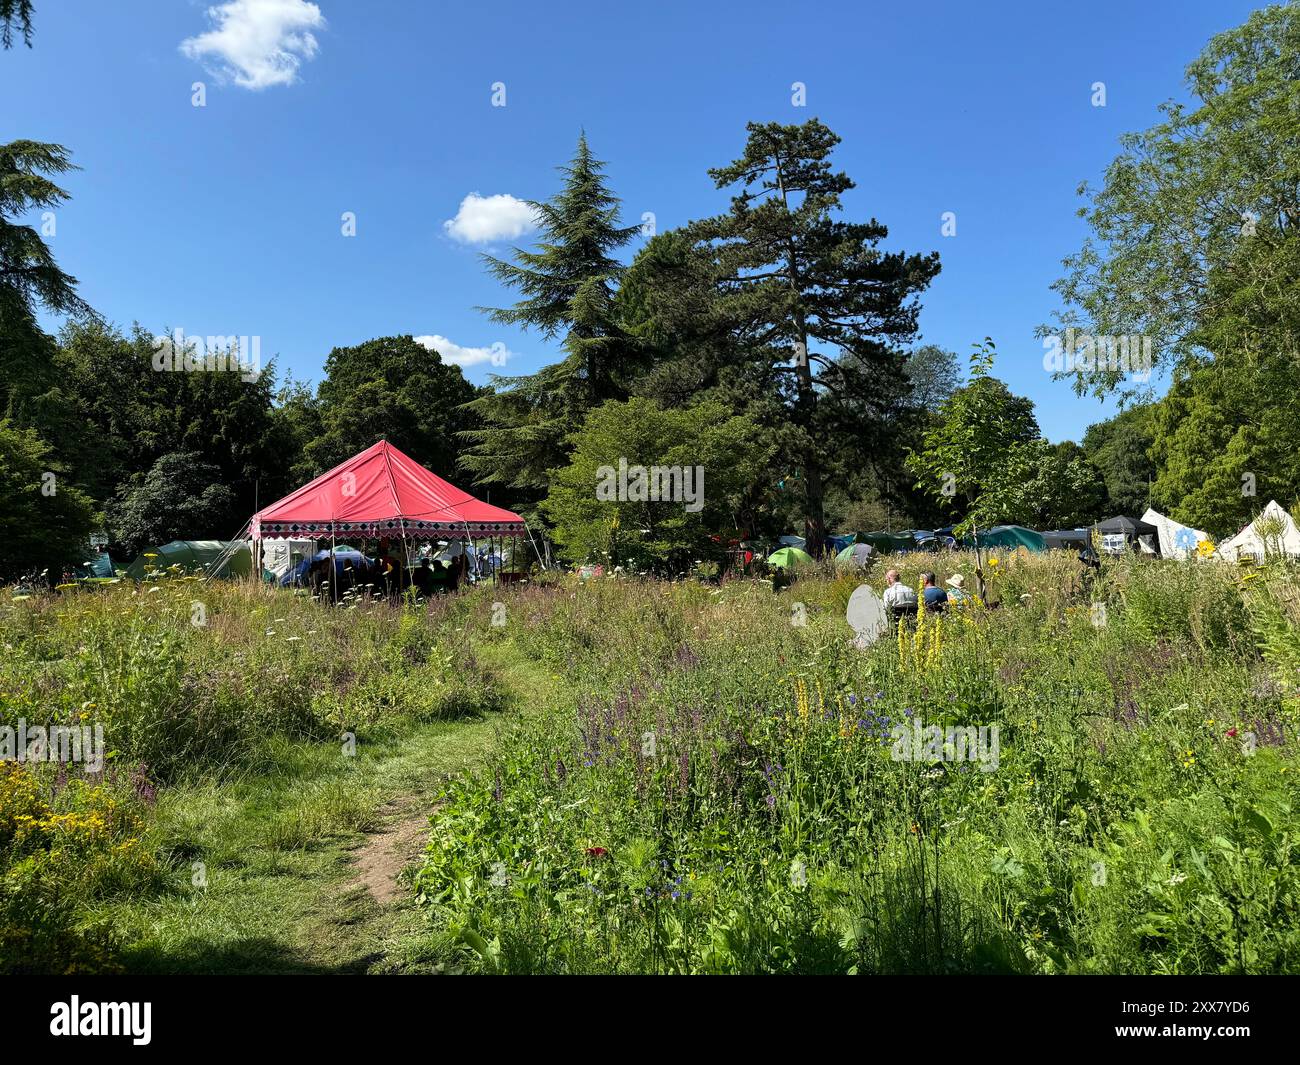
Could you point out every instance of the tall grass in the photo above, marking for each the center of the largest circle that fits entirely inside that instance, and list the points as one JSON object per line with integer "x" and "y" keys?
{"x": 198, "y": 687}
{"x": 724, "y": 796}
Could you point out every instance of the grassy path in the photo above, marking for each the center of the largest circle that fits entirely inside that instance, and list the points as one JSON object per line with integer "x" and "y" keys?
{"x": 302, "y": 857}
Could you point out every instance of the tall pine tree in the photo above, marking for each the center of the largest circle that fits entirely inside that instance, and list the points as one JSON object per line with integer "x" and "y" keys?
{"x": 819, "y": 308}
{"x": 30, "y": 279}
{"x": 568, "y": 286}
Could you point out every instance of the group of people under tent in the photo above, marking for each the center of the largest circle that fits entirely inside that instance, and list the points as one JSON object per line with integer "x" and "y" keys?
{"x": 440, "y": 567}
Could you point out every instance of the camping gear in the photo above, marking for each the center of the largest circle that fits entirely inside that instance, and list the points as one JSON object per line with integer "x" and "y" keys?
{"x": 925, "y": 540}
{"x": 946, "y": 538}
{"x": 1119, "y": 533}
{"x": 382, "y": 493}
{"x": 100, "y": 566}
{"x": 216, "y": 558}
{"x": 1272, "y": 534}
{"x": 1068, "y": 539}
{"x": 792, "y": 541}
{"x": 344, "y": 556}
{"x": 789, "y": 557}
{"x": 858, "y": 556}
{"x": 1009, "y": 537}
{"x": 1176, "y": 541}
{"x": 887, "y": 542}
{"x": 281, "y": 556}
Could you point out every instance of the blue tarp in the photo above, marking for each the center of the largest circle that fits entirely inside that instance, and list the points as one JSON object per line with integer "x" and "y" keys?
{"x": 343, "y": 556}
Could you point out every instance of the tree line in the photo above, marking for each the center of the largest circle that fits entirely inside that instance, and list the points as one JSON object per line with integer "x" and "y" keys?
{"x": 774, "y": 345}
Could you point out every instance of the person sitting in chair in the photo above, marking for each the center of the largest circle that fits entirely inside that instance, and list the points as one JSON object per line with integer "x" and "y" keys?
{"x": 957, "y": 589}
{"x": 936, "y": 599}
{"x": 899, "y": 599}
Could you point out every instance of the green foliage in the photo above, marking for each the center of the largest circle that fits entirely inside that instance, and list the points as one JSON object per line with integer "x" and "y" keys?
{"x": 1199, "y": 206}
{"x": 180, "y": 498}
{"x": 966, "y": 446}
{"x": 65, "y": 840}
{"x": 29, "y": 276}
{"x": 1226, "y": 438}
{"x": 30, "y": 279}
{"x": 1119, "y": 448}
{"x": 664, "y": 535}
{"x": 934, "y": 374}
{"x": 15, "y": 13}
{"x": 166, "y": 693}
{"x": 816, "y": 306}
{"x": 45, "y": 522}
{"x": 1134, "y": 822}
{"x": 390, "y": 388}
{"x": 568, "y": 290}
{"x": 1041, "y": 486}
{"x": 114, "y": 418}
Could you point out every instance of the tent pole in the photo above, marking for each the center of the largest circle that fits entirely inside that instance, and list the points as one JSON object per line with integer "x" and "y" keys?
{"x": 228, "y": 553}
{"x": 472, "y": 547}
{"x": 537, "y": 552}
{"x": 406, "y": 559}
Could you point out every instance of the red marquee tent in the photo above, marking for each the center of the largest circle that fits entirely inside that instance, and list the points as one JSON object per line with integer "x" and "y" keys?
{"x": 381, "y": 493}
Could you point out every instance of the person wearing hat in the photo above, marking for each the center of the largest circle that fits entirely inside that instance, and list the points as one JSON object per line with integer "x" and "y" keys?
{"x": 956, "y": 589}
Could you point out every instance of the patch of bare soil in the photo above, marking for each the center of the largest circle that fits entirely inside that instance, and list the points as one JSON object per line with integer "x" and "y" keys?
{"x": 390, "y": 849}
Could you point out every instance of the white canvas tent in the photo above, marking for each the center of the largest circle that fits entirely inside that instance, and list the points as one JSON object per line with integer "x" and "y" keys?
{"x": 1271, "y": 534}
{"x": 1176, "y": 541}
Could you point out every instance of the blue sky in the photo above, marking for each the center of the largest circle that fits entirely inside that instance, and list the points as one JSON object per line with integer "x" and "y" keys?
{"x": 226, "y": 219}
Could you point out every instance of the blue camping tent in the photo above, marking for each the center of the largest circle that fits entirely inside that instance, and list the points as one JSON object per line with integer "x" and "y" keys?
{"x": 343, "y": 557}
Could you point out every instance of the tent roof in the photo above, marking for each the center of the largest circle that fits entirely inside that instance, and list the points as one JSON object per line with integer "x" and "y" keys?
{"x": 1176, "y": 540}
{"x": 1067, "y": 538}
{"x": 382, "y": 492}
{"x": 194, "y": 555}
{"x": 1010, "y": 536}
{"x": 1249, "y": 541}
{"x": 1128, "y": 526}
{"x": 887, "y": 541}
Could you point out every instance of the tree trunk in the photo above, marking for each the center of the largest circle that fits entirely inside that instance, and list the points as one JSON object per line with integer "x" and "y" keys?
{"x": 814, "y": 492}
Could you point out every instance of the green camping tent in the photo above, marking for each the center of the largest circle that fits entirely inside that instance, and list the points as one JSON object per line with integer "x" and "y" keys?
{"x": 789, "y": 557}
{"x": 195, "y": 556}
{"x": 885, "y": 542}
{"x": 1009, "y": 536}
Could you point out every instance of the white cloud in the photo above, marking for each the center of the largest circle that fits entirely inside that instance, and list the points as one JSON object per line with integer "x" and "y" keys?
{"x": 257, "y": 43}
{"x": 453, "y": 353}
{"x": 486, "y": 218}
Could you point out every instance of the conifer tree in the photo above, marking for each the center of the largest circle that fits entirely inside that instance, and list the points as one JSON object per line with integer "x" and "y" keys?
{"x": 567, "y": 285}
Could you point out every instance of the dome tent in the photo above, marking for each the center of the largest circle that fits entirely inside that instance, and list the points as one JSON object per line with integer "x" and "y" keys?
{"x": 1008, "y": 536}
{"x": 789, "y": 557}
{"x": 215, "y": 558}
{"x": 856, "y": 555}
